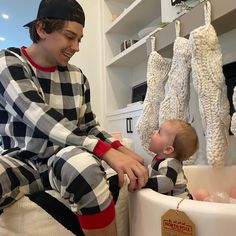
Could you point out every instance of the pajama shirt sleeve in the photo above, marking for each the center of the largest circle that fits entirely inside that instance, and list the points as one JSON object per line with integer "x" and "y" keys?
{"x": 163, "y": 179}
{"x": 23, "y": 100}
{"x": 91, "y": 126}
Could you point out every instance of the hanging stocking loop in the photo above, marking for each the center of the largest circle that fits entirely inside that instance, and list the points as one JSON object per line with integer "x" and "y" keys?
{"x": 177, "y": 28}
{"x": 153, "y": 42}
{"x": 207, "y": 12}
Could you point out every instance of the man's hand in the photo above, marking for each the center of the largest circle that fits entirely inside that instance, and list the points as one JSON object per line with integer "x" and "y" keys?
{"x": 131, "y": 153}
{"x": 125, "y": 164}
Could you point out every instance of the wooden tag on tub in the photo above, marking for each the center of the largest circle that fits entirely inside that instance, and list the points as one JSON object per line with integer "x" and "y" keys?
{"x": 176, "y": 223}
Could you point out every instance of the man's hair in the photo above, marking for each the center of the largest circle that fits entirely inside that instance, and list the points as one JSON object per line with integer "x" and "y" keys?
{"x": 49, "y": 25}
{"x": 186, "y": 140}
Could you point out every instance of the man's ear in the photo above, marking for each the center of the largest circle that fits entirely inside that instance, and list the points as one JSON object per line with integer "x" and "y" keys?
{"x": 40, "y": 30}
{"x": 168, "y": 150}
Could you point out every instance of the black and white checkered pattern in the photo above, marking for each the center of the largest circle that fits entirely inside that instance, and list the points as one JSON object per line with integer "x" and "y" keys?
{"x": 46, "y": 117}
{"x": 17, "y": 179}
{"x": 42, "y": 110}
{"x": 167, "y": 177}
{"x": 80, "y": 179}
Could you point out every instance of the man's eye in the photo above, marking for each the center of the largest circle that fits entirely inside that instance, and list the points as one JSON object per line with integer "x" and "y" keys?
{"x": 69, "y": 36}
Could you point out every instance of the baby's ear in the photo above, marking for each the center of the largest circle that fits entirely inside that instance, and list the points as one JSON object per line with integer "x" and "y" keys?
{"x": 169, "y": 150}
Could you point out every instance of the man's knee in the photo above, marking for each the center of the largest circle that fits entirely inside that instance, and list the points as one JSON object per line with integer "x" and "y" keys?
{"x": 80, "y": 178}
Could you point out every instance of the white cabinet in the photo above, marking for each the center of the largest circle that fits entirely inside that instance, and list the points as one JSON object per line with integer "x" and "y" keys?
{"x": 124, "y": 121}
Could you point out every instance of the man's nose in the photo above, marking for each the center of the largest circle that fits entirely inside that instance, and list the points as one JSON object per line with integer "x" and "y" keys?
{"x": 75, "y": 46}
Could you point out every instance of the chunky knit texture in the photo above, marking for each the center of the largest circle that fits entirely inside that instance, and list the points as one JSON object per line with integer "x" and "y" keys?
{"x": 158, "y": 68}
{"x": 176, "y": 102}
{"x": 209, "y": 82}
{"x": 233, "y": 121}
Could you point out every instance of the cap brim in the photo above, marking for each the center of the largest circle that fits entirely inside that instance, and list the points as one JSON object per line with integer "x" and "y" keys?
{"x": 28, "y": 24}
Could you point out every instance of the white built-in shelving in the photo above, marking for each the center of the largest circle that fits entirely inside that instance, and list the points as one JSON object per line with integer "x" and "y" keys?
{"x": 122, "y": 20}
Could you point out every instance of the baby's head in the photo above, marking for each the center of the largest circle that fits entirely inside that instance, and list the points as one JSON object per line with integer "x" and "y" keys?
{"x": 175, "y": 138}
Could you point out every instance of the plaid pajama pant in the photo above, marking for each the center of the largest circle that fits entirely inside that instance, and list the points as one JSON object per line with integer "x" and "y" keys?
{"x": 76, "y": 174}
{"x": 16, "y": 180}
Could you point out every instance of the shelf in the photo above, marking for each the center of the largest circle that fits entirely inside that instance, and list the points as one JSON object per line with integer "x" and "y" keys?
{"x": 223, "y": 13}
{"x": 133, "y": 55}
{"x": 131, "y": 108}
{"x": 139, "y": 13}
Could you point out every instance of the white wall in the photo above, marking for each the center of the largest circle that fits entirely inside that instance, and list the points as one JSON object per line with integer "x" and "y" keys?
{"x": 89, "y": 59}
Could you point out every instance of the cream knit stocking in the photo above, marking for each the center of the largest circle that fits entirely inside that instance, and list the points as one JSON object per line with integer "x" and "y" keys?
{"x": 176, "y": 102}
{"x": 157, "y": 70}
{"x": 209, "y": 82}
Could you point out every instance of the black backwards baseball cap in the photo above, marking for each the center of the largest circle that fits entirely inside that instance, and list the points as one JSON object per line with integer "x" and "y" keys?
{"x": 69, "y": 10}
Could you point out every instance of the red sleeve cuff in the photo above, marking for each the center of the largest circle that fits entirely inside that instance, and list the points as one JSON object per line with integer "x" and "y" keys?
{"x": 101, "y": 148}
{"x": 116, "y": 144}
{"x": 99, "y": 220}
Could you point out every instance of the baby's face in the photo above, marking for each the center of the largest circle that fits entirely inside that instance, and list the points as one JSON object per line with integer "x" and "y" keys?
{"x": 161, "y": 138}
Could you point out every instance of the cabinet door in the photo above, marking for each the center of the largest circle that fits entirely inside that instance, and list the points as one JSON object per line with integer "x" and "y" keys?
{"x": 123, "y": 124}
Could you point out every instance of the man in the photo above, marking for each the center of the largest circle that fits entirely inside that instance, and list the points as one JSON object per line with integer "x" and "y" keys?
{"x": 50, "y": 138}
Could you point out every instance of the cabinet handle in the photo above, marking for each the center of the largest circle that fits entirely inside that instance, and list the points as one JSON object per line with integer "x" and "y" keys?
{"x": 129, "y": 125}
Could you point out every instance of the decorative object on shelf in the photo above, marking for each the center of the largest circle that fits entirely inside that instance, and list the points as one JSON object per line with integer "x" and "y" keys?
{"x": 186, "y": 5}
{"x": 209, "y": 83}
{"x": 172, "y": 9}
{"x": 158, "y": 68}
{"x": 113, "y": 17}
{"x": 183, "y": 7}
{"x": 174, "y": 2}
{"x": 127, "y": 43}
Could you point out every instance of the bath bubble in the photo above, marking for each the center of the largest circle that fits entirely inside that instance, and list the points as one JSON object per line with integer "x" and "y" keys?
{"x": 220, "y": 197}
{"x": 201, "y": 194}
{"x": 232, "y": 192}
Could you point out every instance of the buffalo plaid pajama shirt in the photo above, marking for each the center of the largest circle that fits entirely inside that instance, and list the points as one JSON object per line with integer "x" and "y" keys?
{"x": 46, "y": 121}
{"x": 167, "y": 177}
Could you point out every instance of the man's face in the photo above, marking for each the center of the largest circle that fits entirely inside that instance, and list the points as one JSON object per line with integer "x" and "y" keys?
{"x": 61, "y": 45}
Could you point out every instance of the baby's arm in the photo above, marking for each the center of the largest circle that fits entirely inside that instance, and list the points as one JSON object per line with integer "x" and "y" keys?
{"x": 160, "y": 183}
{"x": 163, "y": 178}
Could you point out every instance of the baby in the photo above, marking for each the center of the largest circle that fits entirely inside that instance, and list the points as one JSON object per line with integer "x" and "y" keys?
{"x": 174, "y": 142}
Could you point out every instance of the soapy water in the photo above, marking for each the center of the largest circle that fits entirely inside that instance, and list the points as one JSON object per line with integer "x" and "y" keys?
{"x": 218, "y": 197}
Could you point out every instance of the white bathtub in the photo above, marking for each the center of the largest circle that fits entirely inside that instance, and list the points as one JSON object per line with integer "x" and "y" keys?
{"x": 210, "y": 219}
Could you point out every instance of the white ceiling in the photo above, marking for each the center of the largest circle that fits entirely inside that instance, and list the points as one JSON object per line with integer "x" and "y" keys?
{"x": 20, "y": 12}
